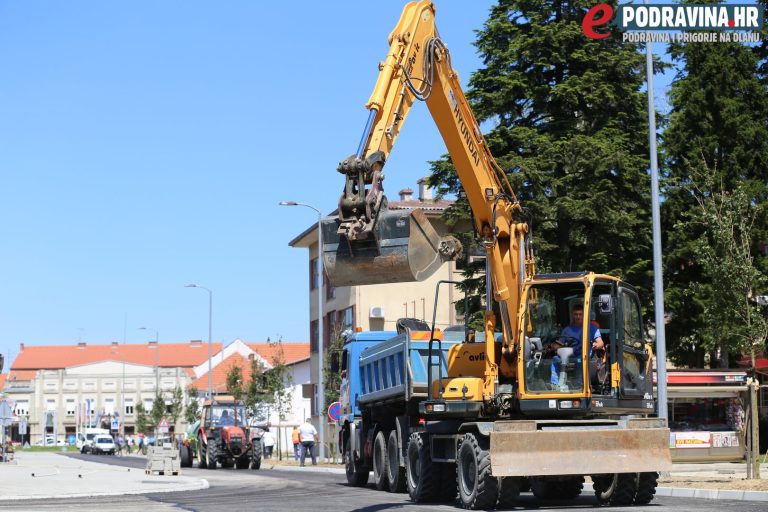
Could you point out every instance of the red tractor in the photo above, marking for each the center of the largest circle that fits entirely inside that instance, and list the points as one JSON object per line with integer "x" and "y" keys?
{"x": 225, "y": 438}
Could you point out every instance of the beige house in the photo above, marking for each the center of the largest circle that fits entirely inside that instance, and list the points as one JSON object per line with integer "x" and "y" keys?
{"x": 379, "y": 306}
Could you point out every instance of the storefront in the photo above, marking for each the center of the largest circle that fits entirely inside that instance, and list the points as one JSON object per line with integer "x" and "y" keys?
{"x": 706, "y": 415}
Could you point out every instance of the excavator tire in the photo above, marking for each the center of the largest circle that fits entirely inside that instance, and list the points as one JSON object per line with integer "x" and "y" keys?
{"x": 202, "y": 461}
{"x": 210, "y": 455}
{"x": 421, "y": 474}
{"x": 617, "y": 490}
{"x": 478, "y": 488}
{"x": 509, "y": 491}
{"x": 256, "y": 454}
{"x": 646, "y": 487}
{"x": 356, "y": 476}
{"x": 395, "y": 473}
{"x": 380, "y": 462}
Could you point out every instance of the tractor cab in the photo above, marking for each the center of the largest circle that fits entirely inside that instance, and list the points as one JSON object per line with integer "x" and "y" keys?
{"x": 584, "y": 348}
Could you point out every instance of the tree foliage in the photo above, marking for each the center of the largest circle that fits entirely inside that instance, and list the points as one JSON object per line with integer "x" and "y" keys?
{"x": 331, "y": 378}
{"x": 569, "y": 126}
{"x": 158, "y": 409}
{"x": 716, "y": 154}
{"x": 143, "y": 422}
{"x": 192, "y": 406}
{"x": 177, "y": 404}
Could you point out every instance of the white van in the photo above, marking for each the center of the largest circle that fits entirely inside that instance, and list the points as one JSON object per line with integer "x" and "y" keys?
{"x": 85, "y": 438}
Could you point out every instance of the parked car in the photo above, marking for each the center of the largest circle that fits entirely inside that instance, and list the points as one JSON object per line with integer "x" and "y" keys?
{"x": 49, "y": 440}
{"x": 103, "y": 444}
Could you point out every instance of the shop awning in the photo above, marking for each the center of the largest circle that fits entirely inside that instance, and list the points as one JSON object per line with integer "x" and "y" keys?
{"x": 705, "y": 391}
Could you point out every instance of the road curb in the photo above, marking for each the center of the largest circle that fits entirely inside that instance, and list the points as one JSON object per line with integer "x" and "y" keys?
{"x": 712, "y": 494}
{"x": 199, "y": 485}
{"x": 308, "y": 469}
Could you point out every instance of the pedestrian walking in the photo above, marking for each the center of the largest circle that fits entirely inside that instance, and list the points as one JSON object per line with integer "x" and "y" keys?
{"x": 308, "y": 436}
{"x": 269, "y": 444}
{"x": 296, "y": 439}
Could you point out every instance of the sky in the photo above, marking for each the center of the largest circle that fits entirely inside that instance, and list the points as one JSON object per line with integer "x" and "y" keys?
{"x": 146, "y": 145}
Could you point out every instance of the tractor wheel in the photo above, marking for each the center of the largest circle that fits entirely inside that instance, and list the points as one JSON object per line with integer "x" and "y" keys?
{"x": 185, "y": 456}
{"x": 357, "y": 475}
{"x": 256, "y": 454}
{"x": 509, "y": 491}
{"x": 380, "y": 461}
{"x": 202, "y": 460}
{"x": 210, "y": 454}
{"x": 617, "y": 490}
{"x": 421, "y": 474}
{"x": 395, "y": 473}
{"x": 646, "y": 487}
{"x": 478, "y": 488}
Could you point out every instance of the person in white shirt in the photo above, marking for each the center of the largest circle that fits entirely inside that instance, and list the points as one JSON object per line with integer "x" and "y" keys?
{"x": 308, "y": 435}
{"x": 269, "y": 443}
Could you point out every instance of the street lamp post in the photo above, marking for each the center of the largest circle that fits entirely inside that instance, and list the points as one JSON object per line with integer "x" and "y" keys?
{"x": 157, "y": 358}
{"x": 210, "y": 330}
{"x": 320, "y": 278}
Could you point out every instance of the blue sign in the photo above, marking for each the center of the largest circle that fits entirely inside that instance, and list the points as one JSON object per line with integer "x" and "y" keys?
{"x": 334, "y": 411}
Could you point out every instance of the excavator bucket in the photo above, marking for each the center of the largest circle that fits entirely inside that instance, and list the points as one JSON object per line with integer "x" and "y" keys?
{"x": 404, "y": 247}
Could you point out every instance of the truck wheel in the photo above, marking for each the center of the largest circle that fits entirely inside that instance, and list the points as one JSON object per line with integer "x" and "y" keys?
{"x": 478, "y": 488}
{"x": 509, "y": 491}
{"x": 185, "y": 458}
{"x": 357, "y": 476}
{"x": 419, "y": 470}
{"x": 646, "y": 487}
{"x": 616, "y": 490}
{"x": 395, "y": 473}
{"x": 210, "y": 455}
{"x": 202, "y": 461}
{"x": 380, "y": 462}
{"x": 256, "y": 454}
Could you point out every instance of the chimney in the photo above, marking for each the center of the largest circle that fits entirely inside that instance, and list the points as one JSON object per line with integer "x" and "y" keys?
{"x": 81, "y": 344}
{"x": 152, "y": 344}
{"x": 114, "y": 343}
{"x": 251, "y": 356}
{"x": 406, "y": 194}
{"x": 21, "y": 347}
{"x": 196, "y": 343}
{"x": 425, "y": 192}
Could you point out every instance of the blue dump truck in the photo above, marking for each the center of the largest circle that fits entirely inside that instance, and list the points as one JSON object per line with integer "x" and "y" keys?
{"x": 384, "y": 378}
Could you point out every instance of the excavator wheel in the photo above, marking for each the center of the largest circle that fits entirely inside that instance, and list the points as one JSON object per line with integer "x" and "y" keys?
{"x": 202, "y": 461}
{"x": 509, "y": 491}
{"x": 395, "y": 473}
{"x": 478, "y": 488}
{"x": 617, "y": 490}
{"x": 646, "y": 487}
{"x": 421, "y": 474}
{"x": 380, "y": 462}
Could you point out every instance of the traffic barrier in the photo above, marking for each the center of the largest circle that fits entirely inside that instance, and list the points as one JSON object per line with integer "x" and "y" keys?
{"x": 163, "y": 460}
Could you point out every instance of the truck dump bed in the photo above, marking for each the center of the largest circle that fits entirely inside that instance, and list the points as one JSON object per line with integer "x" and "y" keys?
{"x": 396, "y": 369}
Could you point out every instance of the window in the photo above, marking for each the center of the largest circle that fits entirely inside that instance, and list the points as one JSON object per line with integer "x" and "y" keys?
{"x": 313, "y": 274}
{"x": 347, "y": 318}
{"x": 313, "y": 336}
{"x": 22, "y": 408}
{"x": 71, "y": 407}
{"x": 129, "y": 406}
{"x": 330, "y": 290}
{"x": 50, "y": 405}
{"x": 109, "y": 405}
{"x": 147, "y": 404}
{"x": 168, "y": 406}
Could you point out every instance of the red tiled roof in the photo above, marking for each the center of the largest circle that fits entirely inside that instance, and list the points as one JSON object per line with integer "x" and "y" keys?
{"x": 2, "y": 380}
{"x": 65, "y": 356}
{"x": 292, "y": 352}
{"x": 21, "y": 375}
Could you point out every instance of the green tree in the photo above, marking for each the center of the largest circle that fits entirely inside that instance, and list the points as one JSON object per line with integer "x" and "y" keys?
{"x": 569, "y": 126}
{"x": 158, "y": 409}
{"x": 235, "y": 382}
{"x": 143, "y": 422}
{"x": 332, "y": 379}
{"x": 277, "y": 381}
{"x": 718, "y": 131}
{"x": 177, "y": 404}
{"x": 192, "y": 406}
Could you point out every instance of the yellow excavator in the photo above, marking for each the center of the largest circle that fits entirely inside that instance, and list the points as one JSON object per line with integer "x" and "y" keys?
{"x": 563, "y": 387}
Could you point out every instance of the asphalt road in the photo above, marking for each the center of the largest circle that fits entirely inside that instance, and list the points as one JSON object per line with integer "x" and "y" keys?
{"x": 295, "y": 491}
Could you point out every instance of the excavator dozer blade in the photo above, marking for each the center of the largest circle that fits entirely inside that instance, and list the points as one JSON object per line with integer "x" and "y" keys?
{"x": 404, "y": 247}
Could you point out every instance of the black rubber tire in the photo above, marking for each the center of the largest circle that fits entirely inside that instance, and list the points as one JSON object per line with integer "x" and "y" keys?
{"x": 185, "y": 458}
{"x": 395, "y": 472}
{"x": 646, "y": 487}
{"x": 420, "y": 473}
{"x": 380, "y": 461}
{"x": 357, "y": 476}
{"x": 617, "y": 490}
{"x": 210, "y": 454}
{"x": 256, "y": 454}
{"x": 478, "y": 488}
{"x": 509, "y": 491}
{"x": 202, "y": 459}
